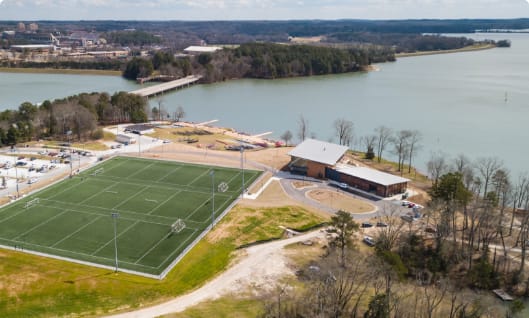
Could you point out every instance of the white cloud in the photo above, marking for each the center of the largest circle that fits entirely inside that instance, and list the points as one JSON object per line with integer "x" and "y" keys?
{"x": 260, "y": 9}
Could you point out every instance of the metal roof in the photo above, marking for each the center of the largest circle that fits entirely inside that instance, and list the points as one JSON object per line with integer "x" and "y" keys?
{"x": 202, "y": 49}
{"x": 319, "y": 151}
{"x": 372, "y": 175}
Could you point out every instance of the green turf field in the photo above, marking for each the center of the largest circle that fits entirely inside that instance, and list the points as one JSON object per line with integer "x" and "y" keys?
{"x": 73, "y": 218}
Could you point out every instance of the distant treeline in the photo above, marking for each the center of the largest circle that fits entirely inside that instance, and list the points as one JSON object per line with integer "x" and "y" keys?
{"x": 72, "y": 118}
{"x": 131, "y": 38}
{"x": 263, "y": 60}
{"x": 403, "y": 42}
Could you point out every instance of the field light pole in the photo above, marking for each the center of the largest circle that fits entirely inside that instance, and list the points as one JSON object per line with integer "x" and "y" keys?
{"x": 242, "y": 169}
{"x": 212, "y": 174}
{"x": 114, "y": 218}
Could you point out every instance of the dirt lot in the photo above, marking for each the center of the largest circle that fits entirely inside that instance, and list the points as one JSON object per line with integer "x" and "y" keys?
{"x": 340, "y": 201}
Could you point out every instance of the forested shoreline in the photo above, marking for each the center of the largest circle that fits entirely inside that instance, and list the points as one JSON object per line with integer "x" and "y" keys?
{"x": 262, "y": 60}
{"x": 72, "y": 118}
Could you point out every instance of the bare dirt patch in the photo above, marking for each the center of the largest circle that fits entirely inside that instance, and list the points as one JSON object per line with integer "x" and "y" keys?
{"x": 302, "y": 184}
{"x": 340, "y": 201}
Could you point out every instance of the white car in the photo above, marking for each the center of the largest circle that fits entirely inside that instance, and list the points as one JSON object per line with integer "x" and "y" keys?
{"x": 32, "y": 180}
{"x": 369, "y": 240}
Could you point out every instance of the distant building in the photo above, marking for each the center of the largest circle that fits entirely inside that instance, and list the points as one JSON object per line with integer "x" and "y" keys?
{"x": 21, "y": 27}
{"x": 33, "y": 27}
{"x": 140, "y": 129}
{"x": 201, "y": 49}
{"x": 124, "y": 139}
{"x": 33, "y": 47}
{"x": 85, "y": 38}
{"x": 324, "y": 160}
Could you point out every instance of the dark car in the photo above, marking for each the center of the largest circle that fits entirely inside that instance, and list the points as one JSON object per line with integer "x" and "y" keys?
{"x": 382, "y": 224}
{"x": 366, "y": 224}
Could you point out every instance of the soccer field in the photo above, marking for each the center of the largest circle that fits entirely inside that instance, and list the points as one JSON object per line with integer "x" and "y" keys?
{"x": 73, "y": 218}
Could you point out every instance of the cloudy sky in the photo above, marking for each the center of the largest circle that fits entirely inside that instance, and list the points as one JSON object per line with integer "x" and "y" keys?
{"x": 259, "y": 9}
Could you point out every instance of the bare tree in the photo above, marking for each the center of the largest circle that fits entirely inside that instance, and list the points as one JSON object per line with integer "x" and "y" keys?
{"x": 413, "y": 145}
{"x": 486, "y": 168}
{"x": 369, "y": 143}
{"x": 286, "y": 136}
{"x": 520, "y": 192}
{"x": 303, "y": 127}
{"x": 437, "y": 166}
{"x": 179, "y": 113}
{"x": 401, "y": 144}
{"x": 343, "y": 129}
{"x": 383, "y": 139}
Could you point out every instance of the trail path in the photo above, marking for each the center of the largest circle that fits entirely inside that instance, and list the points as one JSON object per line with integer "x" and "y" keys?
{"x": 261, "y": 266}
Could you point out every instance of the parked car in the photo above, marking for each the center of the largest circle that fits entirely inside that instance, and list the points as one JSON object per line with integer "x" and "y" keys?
{"x": 343, "y": 185}
{"x": 430, "y": 229}
{"x": 405, "y": 203}
{"x": 407, "y": 218}
{"x": 369, "y": 240}
{"x": 366, "y": 224}
{"x": 382, "y": 224}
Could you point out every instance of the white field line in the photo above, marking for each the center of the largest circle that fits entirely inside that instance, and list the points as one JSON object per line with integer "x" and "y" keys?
{"x": 40, "y": 224}
{"x": 75, "y": 232}
{"x": 198, "y": 178}
{"x": 112, "y": 240}
{"x": 130, "y": 197}
{"x": 165, "y": 201}
{"x": 170, "y": 173}
{"x": 176, "y": 249}
{"x": 148, "y": 166}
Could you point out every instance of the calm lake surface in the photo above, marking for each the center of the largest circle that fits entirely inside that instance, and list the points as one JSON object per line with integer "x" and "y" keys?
{"x": 476, "y": 103}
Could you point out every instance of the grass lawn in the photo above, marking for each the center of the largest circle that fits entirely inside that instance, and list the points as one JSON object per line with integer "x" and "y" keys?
{"x": 35, "y": 286}
{"x": 73, "y": 218}
{"x": 226, "y": 307}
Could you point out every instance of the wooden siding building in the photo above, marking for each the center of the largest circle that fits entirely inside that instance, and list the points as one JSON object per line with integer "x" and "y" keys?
{"x": 319, "y": 159}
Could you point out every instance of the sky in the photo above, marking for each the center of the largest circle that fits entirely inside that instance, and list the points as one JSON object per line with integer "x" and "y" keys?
{"x": 258, "y": 9}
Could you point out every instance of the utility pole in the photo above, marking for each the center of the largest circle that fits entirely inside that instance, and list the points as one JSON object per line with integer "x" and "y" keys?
{"x": 212, "y": 174}
{"x": 242, "y": 170}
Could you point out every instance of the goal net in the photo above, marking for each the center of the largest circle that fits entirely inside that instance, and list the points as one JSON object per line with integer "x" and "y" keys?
{"x": 98, "y": 171}
{"x": 178, "y": 226}
{"x": 31, "y": 203}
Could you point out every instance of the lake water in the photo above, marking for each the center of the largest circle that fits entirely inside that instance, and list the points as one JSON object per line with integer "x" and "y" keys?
{"x": 476, "y": 103}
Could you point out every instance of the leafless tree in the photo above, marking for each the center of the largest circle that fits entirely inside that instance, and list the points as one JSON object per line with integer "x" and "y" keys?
{"x": 179, "y": 113}
{"x": 401, "y": 146}
{"x": 303, "y": 127}
{"x": 487, "y": 167}
{"x": 286, "y": 136}
{"x": 520, "y": 193}
{"x": 383, "y": 139}
{"x": 344, "y": 129}
{"x": 369, "y": 143}
{"x": 437, "y": 166}
{"x": 413, "y": 145}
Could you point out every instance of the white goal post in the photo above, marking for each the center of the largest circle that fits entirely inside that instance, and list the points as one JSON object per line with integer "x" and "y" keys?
{"x": 31, "y": 203}
{"x": 178, "y": 226}
{"x": 98, "y": 171}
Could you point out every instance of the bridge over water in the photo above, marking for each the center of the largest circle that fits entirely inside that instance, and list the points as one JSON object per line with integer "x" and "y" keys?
{"x": 167, "y": 86}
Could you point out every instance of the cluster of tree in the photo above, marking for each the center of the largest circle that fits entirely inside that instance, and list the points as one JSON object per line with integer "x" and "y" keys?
{"x": 403, "y": 42}
{"x": 72, "y": 118}
{"x": 131, "y": 38}
{"x": 263, "y": 60}
{"x": 162, "y": 61}
{"x": 403, "y": 277}
{"x": 97, "y": 64}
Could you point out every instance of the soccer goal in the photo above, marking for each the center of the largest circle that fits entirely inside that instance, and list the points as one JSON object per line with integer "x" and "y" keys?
{"x": 98, "y": 171}
{"x": 31, "y": 203}
{"x": 178, "y": 226}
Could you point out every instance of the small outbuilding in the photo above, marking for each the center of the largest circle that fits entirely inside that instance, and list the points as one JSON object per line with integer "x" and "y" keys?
{"x": 124, "y": 139}
{"x": 140, "y": 129}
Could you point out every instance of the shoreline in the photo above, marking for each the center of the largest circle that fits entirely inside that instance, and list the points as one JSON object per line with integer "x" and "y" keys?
{"x": 34, "y": 70}
{"x": 461, "y": 50}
